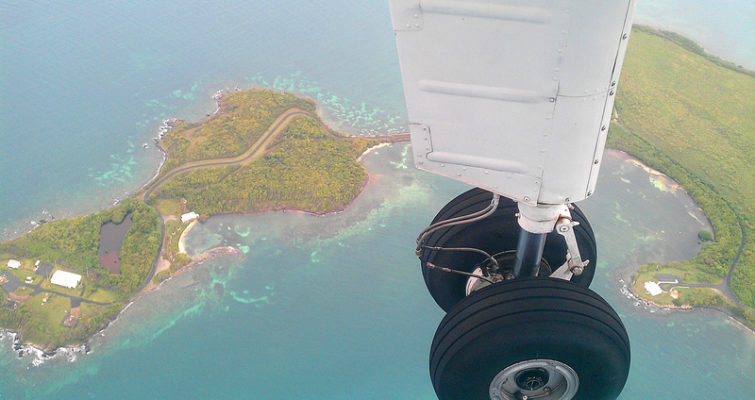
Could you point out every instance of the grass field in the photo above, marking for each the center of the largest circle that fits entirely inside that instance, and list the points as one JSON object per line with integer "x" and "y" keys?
{"x": 168, "y": 207}
{"x": 100, "y": 295}
{"x": 690, "y": 115}
{"x": 42, "y": 321}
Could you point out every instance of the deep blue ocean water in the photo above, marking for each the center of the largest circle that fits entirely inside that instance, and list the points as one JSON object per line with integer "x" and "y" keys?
{"x": 316, "y": 308}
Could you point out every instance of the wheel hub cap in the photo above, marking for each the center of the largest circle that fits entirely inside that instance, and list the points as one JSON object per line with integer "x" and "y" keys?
{"x": 532, "y": 379}
{"x": 535, "y": 379}
{"x": 506, "y": 261}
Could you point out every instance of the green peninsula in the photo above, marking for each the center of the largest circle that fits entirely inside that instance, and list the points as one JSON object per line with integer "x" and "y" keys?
{"x": 690, "y": 115}
{"x": 51, "y": 315}
{"x": 263, "y": 150}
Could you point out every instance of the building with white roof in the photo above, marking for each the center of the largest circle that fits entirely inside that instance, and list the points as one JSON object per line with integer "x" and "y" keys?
{"x": 189, "y": 216}
{"x": 653, "y": 288}
{"x": 65, "y": 279}
{"x": 14, "y": 264}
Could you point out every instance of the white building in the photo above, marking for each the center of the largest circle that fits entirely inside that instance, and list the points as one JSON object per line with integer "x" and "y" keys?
{"x": 65, "y": 279}
{"x": 653, "y": 288}
{"x": 189, "y": 216}
{"x": 14, "y": 264}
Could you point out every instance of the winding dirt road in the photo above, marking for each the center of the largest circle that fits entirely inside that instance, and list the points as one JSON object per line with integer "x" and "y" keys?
{"x": 255, "y": 150}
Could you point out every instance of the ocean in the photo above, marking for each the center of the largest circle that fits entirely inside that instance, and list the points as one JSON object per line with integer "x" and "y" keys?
{"x": 315, "y": 308}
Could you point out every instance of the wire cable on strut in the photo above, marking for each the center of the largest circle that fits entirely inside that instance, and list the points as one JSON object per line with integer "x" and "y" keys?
{"x": 464, "y": 219}
{"x": 471, "y": 249}
{"x": 456, "y": 271}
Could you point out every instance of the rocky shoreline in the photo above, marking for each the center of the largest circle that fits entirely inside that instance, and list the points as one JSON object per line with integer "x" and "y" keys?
{"x": 37, "y": 355}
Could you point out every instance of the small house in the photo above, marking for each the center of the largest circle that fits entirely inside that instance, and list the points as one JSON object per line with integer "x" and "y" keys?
{"x": 14, "y": 264}
{"x": 190, "y": 216}
{"x": 65, "y": 279}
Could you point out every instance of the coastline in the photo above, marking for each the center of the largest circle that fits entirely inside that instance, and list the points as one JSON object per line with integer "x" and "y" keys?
{"x": 668, "y": 184}
{"x": 167, "y": 125}
{"x": 71, "y": 351}
{"x": 202, "y": 257}
{"x": 664, "y": 180}
{"x": 651, "y": 307}
{"x": 41, "y": 354}
{"x": 182, "y": 239}
{"x": 232, "y": 250}
{"x": 371, "y": 149}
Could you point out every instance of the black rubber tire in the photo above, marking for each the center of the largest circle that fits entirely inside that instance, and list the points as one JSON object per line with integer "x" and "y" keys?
{"x": 496, "y": 233}
{"x": 528, "y": 319}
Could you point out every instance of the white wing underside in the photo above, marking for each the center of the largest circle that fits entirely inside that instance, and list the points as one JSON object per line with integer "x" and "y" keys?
{"x": 514, "y": 96}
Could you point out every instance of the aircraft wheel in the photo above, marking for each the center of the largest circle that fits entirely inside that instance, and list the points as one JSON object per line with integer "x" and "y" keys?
{"x": 496, "y": 234}
{"x": 535, "y": 338}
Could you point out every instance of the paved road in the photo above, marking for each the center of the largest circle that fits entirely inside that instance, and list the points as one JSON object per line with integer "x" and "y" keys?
{"x": 15, "y": 282}
{"x": 271, "y": 132}
{"x": 727, "y": 280}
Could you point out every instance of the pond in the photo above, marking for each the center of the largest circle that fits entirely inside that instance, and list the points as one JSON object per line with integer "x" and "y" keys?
{"x": 111, "y": 240}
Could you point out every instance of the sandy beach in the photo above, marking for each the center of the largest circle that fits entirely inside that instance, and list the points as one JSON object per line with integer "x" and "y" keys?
{"x": 182, "y": 239}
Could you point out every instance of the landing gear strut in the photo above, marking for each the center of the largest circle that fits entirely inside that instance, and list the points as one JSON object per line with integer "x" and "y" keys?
{"x": 465, "y": 248}
{"x": 521, "y": 322}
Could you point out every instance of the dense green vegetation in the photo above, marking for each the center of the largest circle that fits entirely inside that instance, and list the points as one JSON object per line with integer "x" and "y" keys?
{"x": 309, "y": 168}
{"x": 71, "y": 245}
{"x": 705, "y": 236}
{"x": 40, "y": 323}
{"x": 689, "y": 115}
{"x": 241, "y": 121}
{"x": 161, "y": 276}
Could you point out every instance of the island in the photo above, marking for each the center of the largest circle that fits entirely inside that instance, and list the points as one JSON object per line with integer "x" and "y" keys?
{"x": 680, "y": 110}
{"x": 261, "y": 151}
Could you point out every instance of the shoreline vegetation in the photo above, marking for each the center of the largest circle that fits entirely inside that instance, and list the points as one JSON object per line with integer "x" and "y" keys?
{"x": 688, "y": 114}
{"x": 264, "y": 150}
{"x": 52, "y": 316}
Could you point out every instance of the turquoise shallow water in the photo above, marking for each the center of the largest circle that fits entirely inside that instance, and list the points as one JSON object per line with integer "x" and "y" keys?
{"x": 315, "y": 307}
{"x": 723, "y": 27}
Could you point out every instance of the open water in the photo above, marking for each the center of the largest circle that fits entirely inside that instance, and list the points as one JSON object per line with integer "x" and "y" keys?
{"x": 315, "y": 308}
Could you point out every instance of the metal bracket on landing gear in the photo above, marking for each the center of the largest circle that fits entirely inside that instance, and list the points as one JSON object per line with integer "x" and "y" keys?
{"x": 574, "y": 264}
